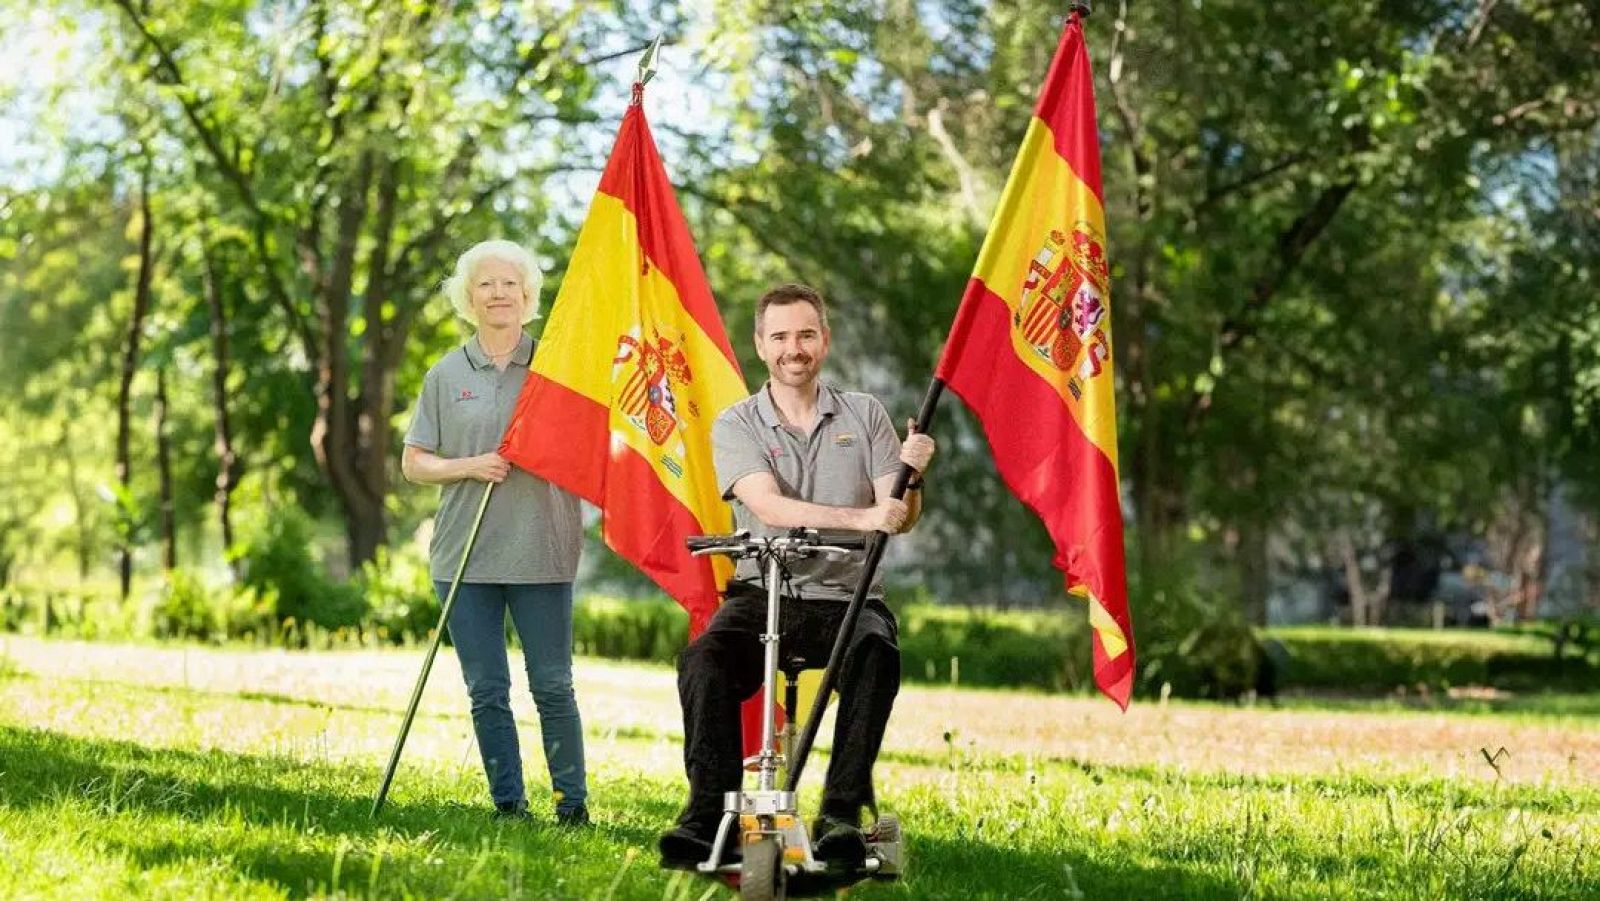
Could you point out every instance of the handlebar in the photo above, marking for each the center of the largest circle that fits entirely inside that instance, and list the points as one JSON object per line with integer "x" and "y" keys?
{"x": 798, "y": 542}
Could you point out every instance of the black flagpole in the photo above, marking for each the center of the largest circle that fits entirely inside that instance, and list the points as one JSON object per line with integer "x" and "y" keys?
{"x": 875, "y": 546}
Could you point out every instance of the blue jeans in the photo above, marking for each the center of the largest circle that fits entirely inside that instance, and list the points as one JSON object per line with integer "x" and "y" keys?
{"x": 542, "y": 615}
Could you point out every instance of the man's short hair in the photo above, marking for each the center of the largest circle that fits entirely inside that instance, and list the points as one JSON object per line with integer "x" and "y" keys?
{"x": 783, "y": 295}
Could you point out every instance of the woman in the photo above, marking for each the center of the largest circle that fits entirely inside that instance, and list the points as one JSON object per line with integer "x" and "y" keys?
{"x": 526, "y": 553}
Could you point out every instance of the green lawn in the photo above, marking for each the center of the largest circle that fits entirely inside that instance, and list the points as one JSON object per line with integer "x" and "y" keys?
{"x": 171, "y": 772}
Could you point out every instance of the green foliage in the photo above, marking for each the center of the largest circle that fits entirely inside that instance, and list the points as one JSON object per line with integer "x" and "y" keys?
{"x": 85, "y": 611}
{"x": 1202, "y": 650}
{"x": 279, "y": 564}
{"x": 186, "y": 608}
{"x": 1302, "y": 345}
{"x": 629, "y": 629}
{"x": 1003, "y": 650}
{"x": 1197, "y": 644}
{"x": 400, "y": 600}
{"x": 1193, "y": 638}
{"x": 1383, "y": 660}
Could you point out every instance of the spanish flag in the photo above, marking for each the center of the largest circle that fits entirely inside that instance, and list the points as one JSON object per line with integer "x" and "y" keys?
{"x": 633, "y": 368}
{"x": 1030, "y": 353}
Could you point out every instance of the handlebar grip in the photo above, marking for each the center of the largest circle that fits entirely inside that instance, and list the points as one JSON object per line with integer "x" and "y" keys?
{"x": 853, "y": 543}
{"x": 707, "y": 542}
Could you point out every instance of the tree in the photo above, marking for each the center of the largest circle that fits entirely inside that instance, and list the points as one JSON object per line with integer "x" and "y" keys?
{"x": 130, "y": 367}
{"x": 1281, "y": 182}
{"x": 357, "y": 144}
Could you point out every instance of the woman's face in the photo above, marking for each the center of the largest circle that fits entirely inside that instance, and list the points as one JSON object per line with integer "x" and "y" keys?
{"x": 499, "y": 298}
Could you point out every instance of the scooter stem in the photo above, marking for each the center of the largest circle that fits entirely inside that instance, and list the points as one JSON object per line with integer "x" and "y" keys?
{"x": 767, "y": 772}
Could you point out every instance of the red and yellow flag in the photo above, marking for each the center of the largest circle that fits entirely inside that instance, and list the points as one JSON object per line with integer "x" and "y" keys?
{"x": 633, "y": 367}
{"x": 1030, "y": 353}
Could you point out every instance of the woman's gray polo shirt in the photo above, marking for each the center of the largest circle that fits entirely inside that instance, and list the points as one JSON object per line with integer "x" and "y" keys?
{"x": 532, "y": 531}
{"x": 852, "y": 443}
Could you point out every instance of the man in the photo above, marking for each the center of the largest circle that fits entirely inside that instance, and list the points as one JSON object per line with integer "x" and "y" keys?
{"x": 798, "y": 453}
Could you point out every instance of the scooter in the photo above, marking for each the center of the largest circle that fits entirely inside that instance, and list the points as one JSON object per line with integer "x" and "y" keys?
{"x": 764, "y": 822}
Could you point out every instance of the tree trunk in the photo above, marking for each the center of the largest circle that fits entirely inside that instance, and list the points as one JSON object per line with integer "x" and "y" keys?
{"x": 1537, "y": 578}
{"x": 1533, "y": 569}
{"x": 227, "y": 460}
{"x": 169, "y": 527}
{"x": 1357, "y": 589}
{"x": 336, "y": 433}
{"x": 1254, "y": 581}
{"x": 365, "y": 530}
{"x": 130, "y": 366}
{"x": 384, "y": 349}
{"x": 1591, "y": 562}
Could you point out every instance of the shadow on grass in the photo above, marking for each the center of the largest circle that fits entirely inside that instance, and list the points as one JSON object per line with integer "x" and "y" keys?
{"x": 295, "y": 824}
{"x": 307, "y": 829}
{"x": 956, "y": 869}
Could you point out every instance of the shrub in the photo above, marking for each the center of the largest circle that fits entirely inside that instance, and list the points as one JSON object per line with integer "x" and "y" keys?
{"x": 14, "y": 609}
{"x": 1191, "y": 636}
{"x": 245, "y": 612}
{"x": 655, "y": 629}
{"x": 1383, "y": 660}
{"x": 185, "y": 609}
{"x": 989, "y": 648}
{"x": 87, "y": 611}
{"x": 400, "y": 601}
{"x": 278, "y": 563}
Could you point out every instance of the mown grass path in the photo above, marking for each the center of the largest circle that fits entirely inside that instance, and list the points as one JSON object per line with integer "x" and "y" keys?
{"x": 192, "y": 772}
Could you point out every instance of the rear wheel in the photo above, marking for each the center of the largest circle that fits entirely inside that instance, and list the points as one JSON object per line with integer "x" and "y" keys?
{"x": 887, "y": 829}
{"x": 761, "y": 876}
{"x": 885, "y": 840}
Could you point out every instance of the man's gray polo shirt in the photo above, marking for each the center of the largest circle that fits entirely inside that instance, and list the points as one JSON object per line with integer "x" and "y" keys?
{"x": 852, "y": 443}
{"x": 532, "y": 531}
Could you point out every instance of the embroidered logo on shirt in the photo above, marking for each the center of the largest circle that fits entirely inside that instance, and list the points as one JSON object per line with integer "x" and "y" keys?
{"x": 466, "y": 394}
{"x": 775, "y": 450}
{"x": 845, "y": 440}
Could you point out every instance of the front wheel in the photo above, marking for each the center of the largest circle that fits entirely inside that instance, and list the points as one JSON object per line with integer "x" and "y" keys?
{"x": 761, "y": 876}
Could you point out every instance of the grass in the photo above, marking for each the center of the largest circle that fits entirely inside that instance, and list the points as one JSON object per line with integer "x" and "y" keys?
{"x": 184, "y": 772}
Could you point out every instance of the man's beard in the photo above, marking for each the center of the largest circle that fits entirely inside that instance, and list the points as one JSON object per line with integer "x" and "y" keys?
{"x": 787, "y": 376}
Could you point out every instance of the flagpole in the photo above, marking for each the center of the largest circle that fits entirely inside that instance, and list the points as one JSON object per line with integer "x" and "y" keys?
{"x": 875, "y": 546}
{"x": 433, "y": 651}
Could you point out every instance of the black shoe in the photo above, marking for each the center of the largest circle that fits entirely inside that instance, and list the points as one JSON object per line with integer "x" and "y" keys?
{"x": 572, "y": 816}
{"x": 838, "y": 843}
{"x": 511, "y": 810}
{"x": 685, "y": 847}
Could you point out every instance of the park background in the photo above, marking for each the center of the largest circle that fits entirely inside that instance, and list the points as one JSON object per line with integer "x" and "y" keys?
{"x": 1358, "y": 350}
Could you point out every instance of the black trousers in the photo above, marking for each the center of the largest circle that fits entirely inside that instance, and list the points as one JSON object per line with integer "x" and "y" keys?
{"x": 722, "y": 668}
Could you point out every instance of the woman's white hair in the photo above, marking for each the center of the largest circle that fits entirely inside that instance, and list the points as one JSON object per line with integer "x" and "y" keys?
{"x": 458, "y": 287}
